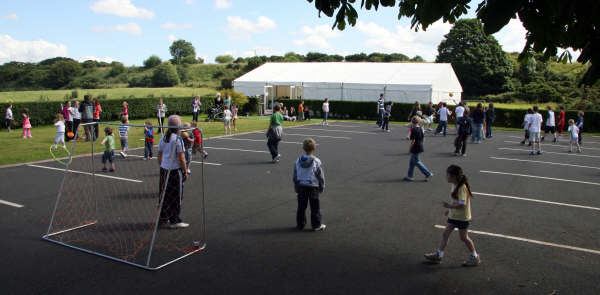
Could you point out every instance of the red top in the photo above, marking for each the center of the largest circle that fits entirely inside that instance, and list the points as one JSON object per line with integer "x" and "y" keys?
{"x": 197, "y": 138}
{"x": 125, "y": 111}
{"x": 66, "y": 114}
{"x": 97, "y": 110}
{"x": 561, "y": 118}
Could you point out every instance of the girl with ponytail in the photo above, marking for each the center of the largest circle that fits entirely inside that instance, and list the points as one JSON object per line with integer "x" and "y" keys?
{"x": 459, "y": 216}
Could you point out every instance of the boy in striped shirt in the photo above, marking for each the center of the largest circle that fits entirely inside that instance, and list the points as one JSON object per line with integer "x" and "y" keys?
{"x": 124, "y": 135}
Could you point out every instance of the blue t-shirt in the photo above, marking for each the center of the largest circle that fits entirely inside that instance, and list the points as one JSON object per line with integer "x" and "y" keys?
{"x": 123, "y": 130}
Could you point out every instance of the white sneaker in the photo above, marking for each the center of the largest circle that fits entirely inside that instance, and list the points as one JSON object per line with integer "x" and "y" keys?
{"x": 276, "y": 159}
{"x": 320, "y": 228}
{"x": 189, "y": 171}
{"x": 179, "y": 225}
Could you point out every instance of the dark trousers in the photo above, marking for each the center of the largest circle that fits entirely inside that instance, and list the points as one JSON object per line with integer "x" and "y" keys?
{"x": 461, "y": 144}
{"x": 88, "y": 129}
{"x": 76, "y": 123}
{"x": 68, "y": 128}
{"x": 161, "y": 122}
{"x": 96, "y": 127}
{"x": 171, "y": 185}
{"x": 195, "y": 115}
{"x": 148, "y": 146}
{"x": 308, "y": 195}
{"x": 273, "y": 145}
{"x": 386, "y": 123}
{"x": 442, "y": 125}
{"x": 380, "y": 118}
{"x": 488, "y": 129}
{"x": 580, "y": 137}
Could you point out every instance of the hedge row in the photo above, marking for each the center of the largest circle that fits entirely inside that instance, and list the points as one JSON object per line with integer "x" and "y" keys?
{"x": 368, "y": 111}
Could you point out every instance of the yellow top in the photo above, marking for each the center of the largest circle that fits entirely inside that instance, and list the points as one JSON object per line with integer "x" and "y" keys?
{"x": 463, "y": 214}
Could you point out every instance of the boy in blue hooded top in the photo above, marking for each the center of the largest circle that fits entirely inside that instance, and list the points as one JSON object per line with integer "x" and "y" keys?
{"x": 309, "y": 181}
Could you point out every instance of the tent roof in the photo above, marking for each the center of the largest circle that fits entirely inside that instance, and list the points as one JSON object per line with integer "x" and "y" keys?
{"x": 351, "y": 72}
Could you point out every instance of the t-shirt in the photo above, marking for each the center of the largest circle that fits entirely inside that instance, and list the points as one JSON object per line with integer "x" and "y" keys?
{"x": 579, "y": 122}
{"x": 109, "y": 144}
{"x": 276, "y": 119}
{"x": 169, "y": 151}
{"x": 326, "y": 107}
{"x": 550, "y": 121}
{"x": 526, "y": 121}
{"x": 459, "y": 111}
{"x": 535, "y": 124}
{"x": 197, "y": 137}
{"x": 429, "y": 111}
{"x": 478, "y": 116}
{"x": 97, "y": 110}
{"x": 388, "y": 111}
{"x": 463, "y": 214}
{"x": 125, "y": 111}
{"x": 9, "y": 114}
{"x": 76, "y": 113}
{"x": 227, "y": 114}
{"x": 300, "y": 108}
{"x": 66, "y": 114}
{"x": 60, "y": 127}
{"x": 574, "y": 131}
{"x": 161, "y": 109}
{"x": 227, "y": 101}
{"x": 416, "y": 134}
{"x": 123, "y": 130}
{"x": 380, "y": 103}
{"x": 149, "y": 134}
{"x": 186, "y": 136}
{"x": 196, "y": 105}
{"x": 444, "y": 113}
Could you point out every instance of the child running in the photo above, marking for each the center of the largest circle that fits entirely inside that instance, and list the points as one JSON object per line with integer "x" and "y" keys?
{"x": 573, "y": 136}
{"x": 535, "y": 127}
{"x": 459, "y": 216}
{"x": 148, "y": 140}
{"x": 227, "y": 116}
{"x": 188, "y": 141}
{"x": 109, "y": 149}
{"x": 124, "y": 136}
{"x": 26, "y": 124}
{"x": 60, "y": 132}
{"x": 309, "y": 182}
{"x": 416, "y": 148}
{"x": 198, "y": 141}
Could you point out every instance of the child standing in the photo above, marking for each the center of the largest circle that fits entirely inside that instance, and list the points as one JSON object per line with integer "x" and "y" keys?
{"x": 325, "y": 111}
{"x": 60, "y": 131}
{"x": 198, "y": 141}
{"x": 309, "y": 182}
{"x": 148, "y": 140}
{"x": 561, "y": 121}
{"x": 9, "y": 117}
{"x": 535, "y": 127}
{"x": 573, "y": 136}
{"x": 26, "y": 124}
{"x": 227, "y": 115}
{"x": 579, "y": 125}
{"x": 124, "y": 136}
{"x": 188, "y": 142}
{"x": 387, "y": 113}
{"x": 444, "y": 113}
{"x": 125, "y": 112}
{"x": 109, "y": 149}
{"x": 526, "y": 125}
{"x": 234, "y": 112}
{"x": 416, "y": 148}
{"x": 459, "y": 216}
{"x": 550, "y": 124}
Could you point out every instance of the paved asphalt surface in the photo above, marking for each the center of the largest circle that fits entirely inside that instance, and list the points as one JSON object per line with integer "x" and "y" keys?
{"x": 378, "y": 226}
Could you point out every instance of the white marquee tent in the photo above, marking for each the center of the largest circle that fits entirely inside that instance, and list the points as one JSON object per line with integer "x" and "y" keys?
{"x": 400, "y": 82}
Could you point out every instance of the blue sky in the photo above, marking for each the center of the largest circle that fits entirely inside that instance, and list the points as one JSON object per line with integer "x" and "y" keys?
{"x": 131, "y": 30}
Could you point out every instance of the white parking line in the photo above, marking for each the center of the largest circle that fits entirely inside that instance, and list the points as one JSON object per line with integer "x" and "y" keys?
{"x": 349, "y": 126}
{"x": 333, "y": 130}
{"x": 528, "y": 240}
{"x": 537, "y": 201}
{"x": 239, "y": 150}
{"x": 324, "y": 136}
{"x": 564, "y": 139}
{"x": 256, "y": 140}
{"x": 555, "y": 145}
{"x": 197, "y": 162}
{"x": 544, "y": 162}
{"x": 86, "y": 173}
{"x": 11, "y": 204}
{"x": 540, "y": 177}
{"x": 557, "y": 153}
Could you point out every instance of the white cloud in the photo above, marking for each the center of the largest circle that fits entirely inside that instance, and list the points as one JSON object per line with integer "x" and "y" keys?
{"x": 91, "y": 57}
{"x": 129, "y": 28}
{"x": 172, "y": 38}
{"x": 190, "y": 2}
{"x": 28, "y": 51}
{"x": 222, "y": 4}
{"x": 317, "y": 37}
{"x": 174, "y": 26}
{"x": 12, "y": 16}
{"x": 240, "y": 28}
{"x": 512, "y": 36}
{"x": 405, "y": 40}
{"x": 123, "y": 8}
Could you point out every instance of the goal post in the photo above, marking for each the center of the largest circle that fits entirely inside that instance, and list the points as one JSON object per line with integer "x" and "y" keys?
{"x": 124, "y": 214}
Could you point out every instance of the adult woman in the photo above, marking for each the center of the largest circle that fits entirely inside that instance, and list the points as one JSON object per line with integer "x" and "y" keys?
{"x": 196, "y": 103}
{"x": 96, "y": 117}
{"x": 274, "y": 133}
{"x": 173, "y": 173}
{"x": 76, "y": 117}
{"x": 161, "y": 111}
{"x": 292, "y": 114}
{"x": 227, "y": 100}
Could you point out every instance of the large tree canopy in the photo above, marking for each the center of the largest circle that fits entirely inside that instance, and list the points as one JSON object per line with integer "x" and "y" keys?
{"x": 480, "y": 64}
{"x": 181, "y": 49}
{"x": 551, "y": 24}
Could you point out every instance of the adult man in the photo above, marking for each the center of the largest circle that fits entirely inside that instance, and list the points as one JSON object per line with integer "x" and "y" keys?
{"x": 380, "y": 110}
{"x": 86, "y": 109}
{"x": 459, "y": 111}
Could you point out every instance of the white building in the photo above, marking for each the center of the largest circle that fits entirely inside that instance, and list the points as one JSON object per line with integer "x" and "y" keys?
{"x": 399, "y": 82}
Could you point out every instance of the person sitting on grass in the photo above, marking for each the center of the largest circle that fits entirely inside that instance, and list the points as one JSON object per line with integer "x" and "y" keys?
{"x": 292, "y": 114}
{"x": 309, "y": 182}
{"x": 60, "y": 132}
{"x": 459, "y": 216}
{"x": 148, "y": 140}
{"x": 109, "y": 149}
{"x": 124, "y": 136}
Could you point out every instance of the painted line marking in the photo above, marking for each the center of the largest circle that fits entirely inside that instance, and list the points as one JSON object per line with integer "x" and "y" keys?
{"x": 540, "y": 177}
{"x": 349, "y": 126}
{"x": 239, "y": 150}
{"x": 564, "y": 139}
{"x": 332, "y": 130}
{"x": 537, "y": 201}
{"x": 557, "y": 153}
{"x": 257, "y": 140}
{"x": 544, "y": 162}
{"x": 205, "y": 163}
{"x": 528, "y": 240}
{"x": 555, "y": 145}
{"x": 324, "y": 136}
{"x": 87, "y": 173}
{"x": 11, "y": 204}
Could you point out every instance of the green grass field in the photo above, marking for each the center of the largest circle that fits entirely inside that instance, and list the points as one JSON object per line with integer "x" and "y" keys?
{"x": 112, "y": 93}
{"x": 14, "y": 149}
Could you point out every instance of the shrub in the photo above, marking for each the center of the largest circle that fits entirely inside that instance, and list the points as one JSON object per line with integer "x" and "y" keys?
{"x": 152, "y": 62}
{"x": 117, "y": 68}
{"x": 165, "y": 75}
{"x": 141, "y": 81}
{"x": 62, "y": 73}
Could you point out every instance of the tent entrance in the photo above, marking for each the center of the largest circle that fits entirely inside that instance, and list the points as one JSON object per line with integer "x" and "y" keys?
{"x": 268, "y": 103}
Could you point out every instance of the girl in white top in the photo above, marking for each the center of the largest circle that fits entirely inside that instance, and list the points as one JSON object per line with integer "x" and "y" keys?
{"x": 574, "y": 136}
{"x": 325, "y": 111}
{"x": 60, "y": 131}
{"x": 227, "y": 116}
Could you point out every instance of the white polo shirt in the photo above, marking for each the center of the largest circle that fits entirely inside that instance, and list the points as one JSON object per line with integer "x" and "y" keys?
{"x": 169, "y": 151}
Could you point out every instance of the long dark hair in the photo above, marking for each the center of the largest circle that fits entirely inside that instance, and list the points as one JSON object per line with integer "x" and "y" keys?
{"x": 461, "y": 178}
{"x": 169, "y": 132}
